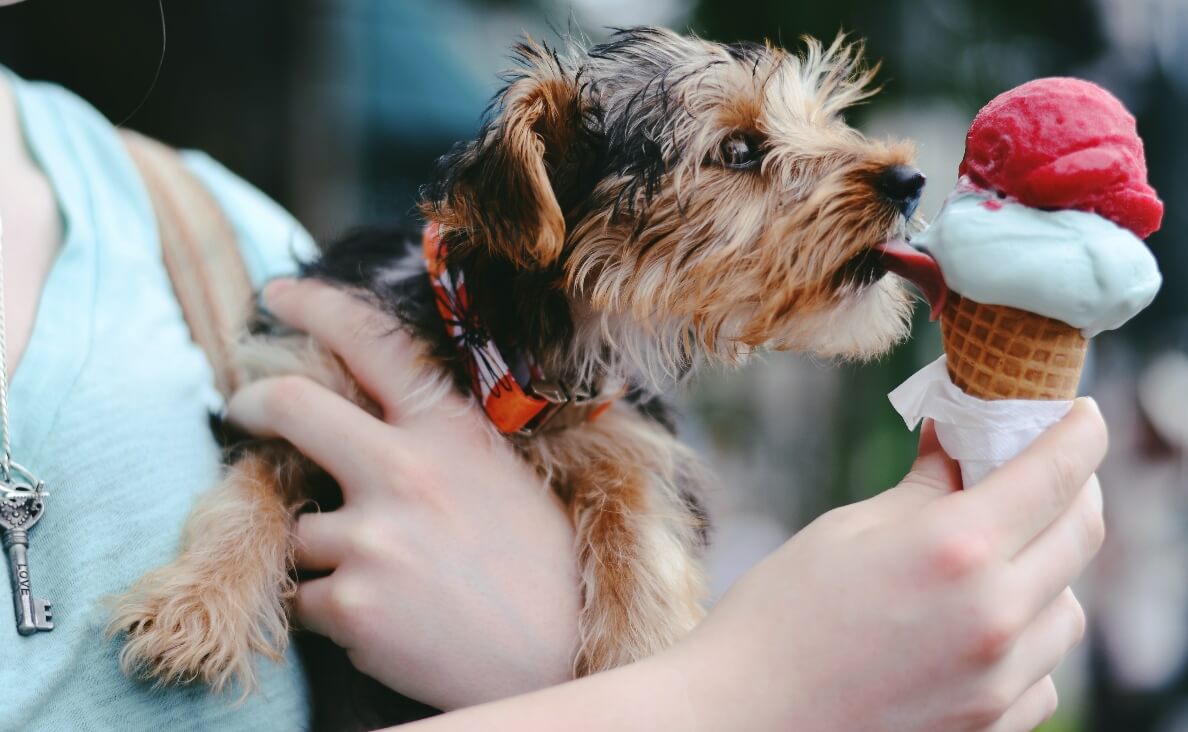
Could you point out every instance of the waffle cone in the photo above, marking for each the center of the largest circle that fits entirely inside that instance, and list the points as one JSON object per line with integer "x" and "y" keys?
{"x": 999, "y": 352}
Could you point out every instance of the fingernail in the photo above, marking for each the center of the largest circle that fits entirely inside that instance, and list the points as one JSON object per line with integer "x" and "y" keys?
{"x": 1089, "y": 403}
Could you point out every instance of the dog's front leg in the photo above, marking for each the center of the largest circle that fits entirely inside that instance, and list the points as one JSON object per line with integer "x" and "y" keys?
{"x": 638, "y": 539}
{"x": 205, "y": 616}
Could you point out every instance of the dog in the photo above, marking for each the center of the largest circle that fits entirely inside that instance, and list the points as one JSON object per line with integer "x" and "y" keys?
{"x": 629, "y": 213}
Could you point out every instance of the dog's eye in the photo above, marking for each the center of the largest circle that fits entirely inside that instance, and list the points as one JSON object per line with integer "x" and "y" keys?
{"x": 740, "y": 152}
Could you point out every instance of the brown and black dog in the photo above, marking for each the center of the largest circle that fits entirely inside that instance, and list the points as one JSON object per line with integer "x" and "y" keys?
{"x": 628, "y": 212}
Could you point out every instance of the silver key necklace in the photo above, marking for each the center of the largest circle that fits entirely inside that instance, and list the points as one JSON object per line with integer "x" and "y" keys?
{"x": 22, "y": 501}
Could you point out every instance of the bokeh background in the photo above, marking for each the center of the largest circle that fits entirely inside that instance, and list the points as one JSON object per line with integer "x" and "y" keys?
{"x": 337, "y": 109}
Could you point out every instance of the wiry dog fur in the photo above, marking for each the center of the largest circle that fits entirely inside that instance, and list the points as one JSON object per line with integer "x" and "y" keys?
{"x": 627, "y": 213}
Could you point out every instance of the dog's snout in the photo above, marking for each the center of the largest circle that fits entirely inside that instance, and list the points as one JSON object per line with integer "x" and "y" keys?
{"x": 901, "y": 185}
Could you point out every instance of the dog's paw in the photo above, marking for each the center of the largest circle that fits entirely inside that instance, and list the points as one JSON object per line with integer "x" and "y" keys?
{"x": 182, "y": 625}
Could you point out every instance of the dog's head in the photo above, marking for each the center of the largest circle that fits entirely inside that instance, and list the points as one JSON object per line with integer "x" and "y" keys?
{"x": 695, "y": 199}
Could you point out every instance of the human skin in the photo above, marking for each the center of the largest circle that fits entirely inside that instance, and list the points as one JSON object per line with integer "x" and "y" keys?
{"x": 32, "y": 229}
{"x": 924, "y": 608}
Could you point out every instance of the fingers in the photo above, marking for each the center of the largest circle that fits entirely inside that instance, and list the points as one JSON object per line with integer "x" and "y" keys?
{"x": 1020, "y": 695}
{"x": 319, "y": 544}
{"x": 375, "y": 350}
{"x": 1033, "y": 708}
{"x": 1057, "y": 557}
{"x": 1027, "y": 494}
{"x": 1044, "y": 644}
{"x": 338, "y": 606}
{"x": 313, "y": 607}
{"x": 343, "y": 439}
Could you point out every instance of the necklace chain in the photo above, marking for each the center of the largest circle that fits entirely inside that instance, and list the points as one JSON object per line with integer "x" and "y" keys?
{"x": 5, "y": 440}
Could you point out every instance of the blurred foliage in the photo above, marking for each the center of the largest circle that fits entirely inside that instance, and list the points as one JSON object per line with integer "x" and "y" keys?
{"x": 967, "y": 51}
{"x": 1062, "y": 722}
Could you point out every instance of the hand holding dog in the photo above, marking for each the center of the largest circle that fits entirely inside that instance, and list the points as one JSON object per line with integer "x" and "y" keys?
{"x": 453, "y": 578}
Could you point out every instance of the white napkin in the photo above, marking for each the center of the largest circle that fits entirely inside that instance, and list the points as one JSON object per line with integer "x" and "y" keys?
{"x": 979, "y": 434}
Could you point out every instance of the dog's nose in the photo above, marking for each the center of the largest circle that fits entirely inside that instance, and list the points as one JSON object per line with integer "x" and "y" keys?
{"x": 901, "y": 184}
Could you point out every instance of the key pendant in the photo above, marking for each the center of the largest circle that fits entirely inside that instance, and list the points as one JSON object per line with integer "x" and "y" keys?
{"x": 22, "y": 501}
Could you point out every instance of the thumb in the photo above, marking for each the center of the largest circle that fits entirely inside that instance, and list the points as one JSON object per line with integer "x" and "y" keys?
{"x": 933, "y": 473}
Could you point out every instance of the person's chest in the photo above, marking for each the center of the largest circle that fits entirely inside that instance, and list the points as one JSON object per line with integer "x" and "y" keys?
{"x": 111, "y": 408}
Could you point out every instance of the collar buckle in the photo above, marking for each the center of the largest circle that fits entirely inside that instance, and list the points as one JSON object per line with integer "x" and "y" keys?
{"x": 559, "y": 398}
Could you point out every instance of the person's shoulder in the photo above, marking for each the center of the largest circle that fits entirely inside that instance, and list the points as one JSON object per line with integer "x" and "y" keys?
{"x": 64, "y": 102}
{"x": 272, "y": 240}
{"x": 67, "y": 133}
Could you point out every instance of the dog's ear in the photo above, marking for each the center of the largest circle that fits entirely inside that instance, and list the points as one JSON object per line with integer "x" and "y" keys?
{"x": 502, "y": 189}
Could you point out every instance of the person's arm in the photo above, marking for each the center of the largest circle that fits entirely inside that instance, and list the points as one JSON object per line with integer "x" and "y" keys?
{"x": 926, "y": 607}
{"x": 918, "y": 610}
{"x": 648, "y": 695}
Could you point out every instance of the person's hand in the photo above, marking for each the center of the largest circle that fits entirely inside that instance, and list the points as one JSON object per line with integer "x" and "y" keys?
{"x": 924, "y": 608}
{"x": 452, "y": 571}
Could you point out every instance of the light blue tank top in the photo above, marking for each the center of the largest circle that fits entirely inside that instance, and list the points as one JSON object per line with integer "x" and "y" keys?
{"x": 109, "y": 406}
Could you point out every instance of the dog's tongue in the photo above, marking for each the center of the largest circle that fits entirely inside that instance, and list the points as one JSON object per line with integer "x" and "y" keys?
{"x": 912, "y": 264}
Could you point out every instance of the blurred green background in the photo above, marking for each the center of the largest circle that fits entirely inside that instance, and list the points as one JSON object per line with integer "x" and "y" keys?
{"x": 337, "y": 108}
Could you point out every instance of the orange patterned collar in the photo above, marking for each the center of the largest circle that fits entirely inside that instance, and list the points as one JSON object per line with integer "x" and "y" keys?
{"x": 517, "y": 397}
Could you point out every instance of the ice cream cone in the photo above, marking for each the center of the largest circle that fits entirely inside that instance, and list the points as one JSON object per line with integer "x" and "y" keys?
{"x": 999, "y": 352}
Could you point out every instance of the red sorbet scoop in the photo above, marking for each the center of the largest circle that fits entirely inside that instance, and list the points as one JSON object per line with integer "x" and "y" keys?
{"x": 1061, "y": 143}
